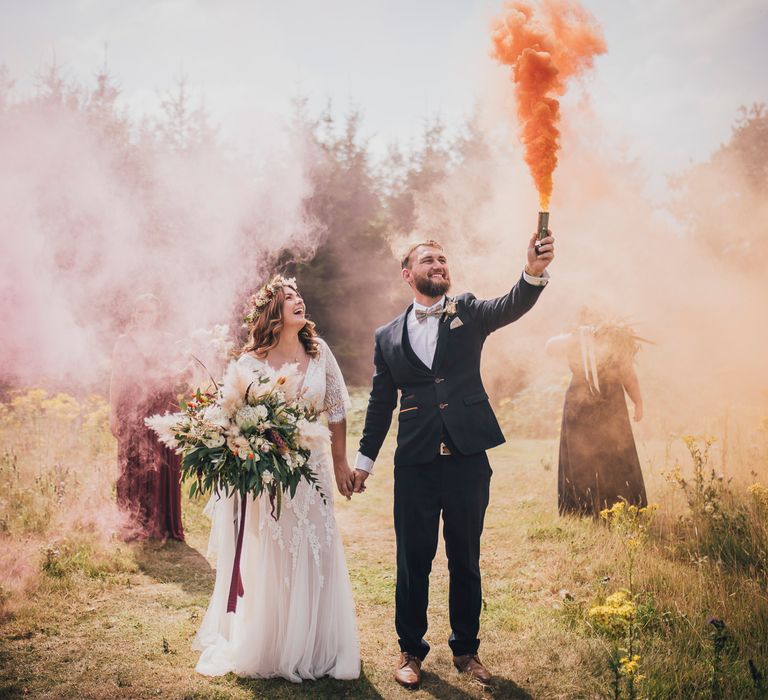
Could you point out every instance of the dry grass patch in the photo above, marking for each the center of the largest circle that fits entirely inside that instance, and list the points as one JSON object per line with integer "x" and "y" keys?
{"x": 109, "y": 620}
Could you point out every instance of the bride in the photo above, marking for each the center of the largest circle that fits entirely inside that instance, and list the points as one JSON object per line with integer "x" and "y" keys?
{"x": 296, "y": 619}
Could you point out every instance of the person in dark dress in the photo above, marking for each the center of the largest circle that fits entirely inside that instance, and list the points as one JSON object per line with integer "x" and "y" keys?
{"x": 598, "y": 463}
{"x": 143, "y": 382}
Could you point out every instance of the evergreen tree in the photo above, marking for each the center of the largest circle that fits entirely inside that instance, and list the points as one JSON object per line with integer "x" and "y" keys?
{"x": 427, "y": 167}
{"x": 185, "y": 126}
{"x": 723, "y": 200}
{"x": 348, "y": 283}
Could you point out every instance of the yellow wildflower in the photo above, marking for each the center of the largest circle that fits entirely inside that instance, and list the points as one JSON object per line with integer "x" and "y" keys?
{"x": 31, "y": 401}
{"x": 614, "y": 512}
{"x": 61, "y": 407}
{"x": 689, "y": 440}
{"x": 759, "y": 493}
{"x": 629, "y": 667}
{"x": 629, "y": 522}
{"x": 614, "y": 616}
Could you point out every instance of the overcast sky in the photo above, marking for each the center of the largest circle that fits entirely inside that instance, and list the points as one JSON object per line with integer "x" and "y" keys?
{"x": 670, "y": 85}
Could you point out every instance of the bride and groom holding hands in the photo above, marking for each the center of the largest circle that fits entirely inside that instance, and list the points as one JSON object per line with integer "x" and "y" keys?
{"x": 296, "y": 619}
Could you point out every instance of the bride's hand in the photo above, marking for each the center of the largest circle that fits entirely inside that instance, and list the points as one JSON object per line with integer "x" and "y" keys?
{"x": 345, "y": 479}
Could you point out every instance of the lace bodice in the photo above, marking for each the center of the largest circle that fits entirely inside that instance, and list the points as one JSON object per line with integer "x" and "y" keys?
{"x": 323, "y": 385}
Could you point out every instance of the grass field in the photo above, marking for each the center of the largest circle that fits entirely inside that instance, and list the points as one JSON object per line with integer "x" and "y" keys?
{"x": 112, "y": 620}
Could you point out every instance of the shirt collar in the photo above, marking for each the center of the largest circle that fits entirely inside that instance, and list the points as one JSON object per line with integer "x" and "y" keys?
{"x": 421, "y": 307}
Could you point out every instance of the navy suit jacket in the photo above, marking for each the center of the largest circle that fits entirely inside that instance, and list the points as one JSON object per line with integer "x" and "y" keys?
{"x": 448, "y": 399}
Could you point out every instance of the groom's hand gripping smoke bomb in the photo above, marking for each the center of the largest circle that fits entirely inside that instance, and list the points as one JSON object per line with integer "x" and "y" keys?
{"x": 541, "y": 229}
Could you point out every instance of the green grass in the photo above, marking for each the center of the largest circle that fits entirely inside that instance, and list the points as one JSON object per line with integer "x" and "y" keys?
{"x": 117, "y": 621}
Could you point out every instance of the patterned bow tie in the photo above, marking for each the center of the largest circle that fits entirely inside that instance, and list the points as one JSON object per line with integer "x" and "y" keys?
{"x": 436, "y": 312}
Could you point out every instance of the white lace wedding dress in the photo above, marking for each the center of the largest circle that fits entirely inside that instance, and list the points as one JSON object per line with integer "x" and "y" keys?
{"x": 296, "y": 619}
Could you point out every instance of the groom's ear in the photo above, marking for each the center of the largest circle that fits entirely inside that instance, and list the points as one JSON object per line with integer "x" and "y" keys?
{"x": 407, "y": 275}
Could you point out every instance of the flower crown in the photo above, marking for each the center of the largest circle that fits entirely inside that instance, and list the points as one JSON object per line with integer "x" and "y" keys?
{"x": 259, "y": 300}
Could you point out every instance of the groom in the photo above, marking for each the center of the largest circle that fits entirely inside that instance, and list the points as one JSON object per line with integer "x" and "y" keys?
{"x": 431, "y": 355}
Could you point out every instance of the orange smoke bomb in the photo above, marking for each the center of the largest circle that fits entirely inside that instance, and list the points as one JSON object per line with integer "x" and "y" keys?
{"x": 544, "y": 45}
{"x": 542, "y": 226}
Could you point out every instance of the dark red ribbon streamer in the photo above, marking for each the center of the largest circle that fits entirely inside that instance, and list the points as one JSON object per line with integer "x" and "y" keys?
{"x": 272, "y": 493}
{"x": 236, "y": 584}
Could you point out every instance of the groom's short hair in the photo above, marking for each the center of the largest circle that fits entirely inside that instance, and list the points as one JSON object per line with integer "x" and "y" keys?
{"x": 405, "y": 261}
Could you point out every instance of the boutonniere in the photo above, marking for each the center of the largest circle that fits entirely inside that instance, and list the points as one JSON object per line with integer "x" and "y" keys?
{"x": 449, "y": 311}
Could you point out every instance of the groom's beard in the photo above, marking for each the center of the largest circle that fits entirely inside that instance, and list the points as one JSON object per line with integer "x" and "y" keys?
{"x": 434, "y": 287}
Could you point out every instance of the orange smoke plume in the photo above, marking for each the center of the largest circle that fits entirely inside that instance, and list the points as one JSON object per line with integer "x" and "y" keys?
{"x": 545, "y": 45}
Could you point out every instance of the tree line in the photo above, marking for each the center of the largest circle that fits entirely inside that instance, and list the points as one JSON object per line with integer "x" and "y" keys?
{"x": 361, "y": 202}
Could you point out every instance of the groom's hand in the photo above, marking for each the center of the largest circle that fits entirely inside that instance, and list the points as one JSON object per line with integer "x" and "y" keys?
{"x": 536, "y": 264}
{"x": 360, "y": 476}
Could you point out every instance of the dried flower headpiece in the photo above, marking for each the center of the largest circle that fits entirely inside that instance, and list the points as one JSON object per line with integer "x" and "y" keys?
{"x": 259, "y": 300}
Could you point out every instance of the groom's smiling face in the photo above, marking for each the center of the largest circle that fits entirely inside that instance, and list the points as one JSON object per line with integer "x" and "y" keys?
{"x": 427, "y": 271}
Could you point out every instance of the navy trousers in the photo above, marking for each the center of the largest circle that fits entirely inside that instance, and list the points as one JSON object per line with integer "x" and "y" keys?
{"x": 457, "y": 487}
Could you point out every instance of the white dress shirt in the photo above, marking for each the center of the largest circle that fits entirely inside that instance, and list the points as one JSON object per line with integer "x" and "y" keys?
{"x": 423, "y": 334}
{"x": 423, "y": 338}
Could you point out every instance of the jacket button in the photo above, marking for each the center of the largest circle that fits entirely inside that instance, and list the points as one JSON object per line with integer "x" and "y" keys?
{"x": 438, "y": 380}
{"x": 443, "y": 405}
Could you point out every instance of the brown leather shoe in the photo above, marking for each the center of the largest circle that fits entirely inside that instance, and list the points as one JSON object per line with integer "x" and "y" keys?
{"x": 470, "y": 663}
{"x": 408, "y": 671}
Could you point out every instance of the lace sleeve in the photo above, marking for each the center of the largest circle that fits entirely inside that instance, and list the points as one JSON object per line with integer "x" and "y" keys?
{"x": 336, "y": 401}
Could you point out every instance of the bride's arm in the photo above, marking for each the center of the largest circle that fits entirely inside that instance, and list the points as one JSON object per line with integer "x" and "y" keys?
{"x": 345, "y": 479}
{"x": 336, "y": 404}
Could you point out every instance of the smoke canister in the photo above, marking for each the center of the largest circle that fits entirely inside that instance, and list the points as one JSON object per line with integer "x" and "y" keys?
{"x": 541, "y": 229}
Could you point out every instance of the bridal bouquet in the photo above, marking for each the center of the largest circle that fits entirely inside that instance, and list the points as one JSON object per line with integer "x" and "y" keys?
{"x": 248, "y": 436}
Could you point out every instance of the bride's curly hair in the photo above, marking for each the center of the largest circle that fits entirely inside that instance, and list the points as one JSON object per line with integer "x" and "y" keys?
{"x": 265, "y": 323}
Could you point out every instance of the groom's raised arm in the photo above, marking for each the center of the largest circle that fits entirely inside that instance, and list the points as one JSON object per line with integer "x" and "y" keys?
{"x": 498, "y": 312}
{"x": 501, "y": 311}
{"x": 378, "y": 417}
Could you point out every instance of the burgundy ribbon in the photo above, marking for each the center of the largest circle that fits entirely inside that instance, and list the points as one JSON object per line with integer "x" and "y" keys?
{"x": 272, "y": 493}
{"x": 236, "y": 584}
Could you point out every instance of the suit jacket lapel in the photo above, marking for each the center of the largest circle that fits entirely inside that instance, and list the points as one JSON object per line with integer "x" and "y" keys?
{"x": 396, "y": 338}
{"x": 396, "y": 333}
{"x": 443, "y": 335}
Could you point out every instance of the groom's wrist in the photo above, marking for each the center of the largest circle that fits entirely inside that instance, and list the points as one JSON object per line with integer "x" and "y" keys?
{"x": 531, "y": 273}
{"x": 363, "y": 463}
{"x": 539, "y": 280}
